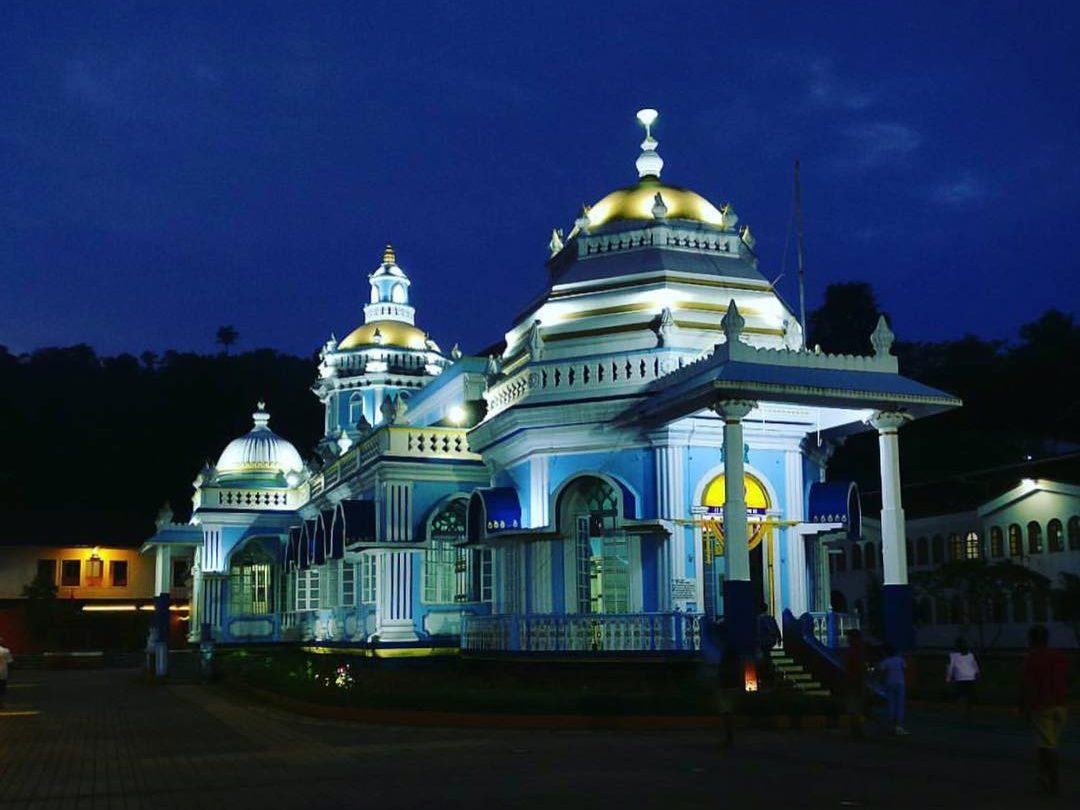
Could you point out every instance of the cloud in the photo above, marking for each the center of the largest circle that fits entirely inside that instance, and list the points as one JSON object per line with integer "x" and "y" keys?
{"x": 825, "y": 91}
{"x": 877, "y": 144}
{"x": 964, "y": 190}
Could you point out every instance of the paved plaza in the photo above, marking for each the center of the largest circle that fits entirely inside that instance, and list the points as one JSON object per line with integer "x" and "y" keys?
{"x": 106, "y": 739}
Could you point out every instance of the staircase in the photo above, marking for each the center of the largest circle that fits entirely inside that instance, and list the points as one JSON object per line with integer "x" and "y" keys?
{"x": 794, "y": 676}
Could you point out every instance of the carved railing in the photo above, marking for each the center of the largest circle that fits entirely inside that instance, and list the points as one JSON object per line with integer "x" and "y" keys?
{"x": 614, "y": 632}
{"x": 553, "y": 379}
{"x": 233, "y": 498}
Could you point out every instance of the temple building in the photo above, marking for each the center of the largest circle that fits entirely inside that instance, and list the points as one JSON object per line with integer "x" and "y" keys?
{"x": 647, "y": 456}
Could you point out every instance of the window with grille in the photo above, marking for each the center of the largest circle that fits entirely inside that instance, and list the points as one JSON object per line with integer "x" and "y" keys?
{"x": 1016, "y": 548}
{"x": 348, "y": 585}
{"x": 446, "y": 530}
{"x": 118, "y": 573}
{"x": 367, "y": 578}
{"x": 1034, "y": 538}
{"x": 956, "y": 547}
{"x": 1055, "y": 536}
{"x": 1074, "y": 533}
{"x": 330, "y": 584}
{"x": 249, "y": 588}
{"x": 972, "y": 546}
{"x": 307, "y": 589}
{"x": 997, "y": 542}
{"x": 70, "y": 573}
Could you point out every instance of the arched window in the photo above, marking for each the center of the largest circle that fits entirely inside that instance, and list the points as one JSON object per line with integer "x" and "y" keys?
{"x": 871, "y": 556}
{"x": 589, "y": 510}
{"x": 250, "y": 580}
{"x": 397, "y": 294}
{"x": 356, "y": 408}
{"x": 856, "y": 557}
{"x": 938, "y": 549}
{"x": 997, "y": 542}
{"x": 973, "y": 546}
{"x": 922, "y": 551}
{"x": 956, "y": 547}
{"x": 1055, "y": 536}
{"x": 1016, "y": 547}
{"x": 1034, "y": 538}
{"x": 445, "y": 531}
{"x": 1074, "y": 533}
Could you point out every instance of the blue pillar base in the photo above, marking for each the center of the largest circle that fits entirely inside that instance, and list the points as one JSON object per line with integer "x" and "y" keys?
{"x": 740, "y": 616}
{"x": 899, "y": 616}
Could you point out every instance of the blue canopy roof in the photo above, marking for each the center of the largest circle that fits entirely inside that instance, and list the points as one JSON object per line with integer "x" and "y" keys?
{"x": 836, "y": 502}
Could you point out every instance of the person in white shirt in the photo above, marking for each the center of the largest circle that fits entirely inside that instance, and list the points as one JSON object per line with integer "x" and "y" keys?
{"x": 963, "y": 670}
{"x": 5, "y": 658}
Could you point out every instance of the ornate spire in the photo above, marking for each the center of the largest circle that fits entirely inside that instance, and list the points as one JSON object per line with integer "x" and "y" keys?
{"x": 649, "y": 163}
{"x": 732, "y": 323}
{"x": 388, "y": 256}
{"x": 261, "y": 417}
{"x": 882, "y": 338}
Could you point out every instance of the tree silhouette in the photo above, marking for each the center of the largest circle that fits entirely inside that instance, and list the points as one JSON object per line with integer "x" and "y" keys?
{"x": 843, "y": 323}
{"x": 227, "y": 336}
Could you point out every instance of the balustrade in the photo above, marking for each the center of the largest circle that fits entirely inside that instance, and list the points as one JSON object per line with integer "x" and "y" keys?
{"x": 626, "y": 632}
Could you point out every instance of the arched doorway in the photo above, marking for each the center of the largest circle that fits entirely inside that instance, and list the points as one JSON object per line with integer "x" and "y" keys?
{"x": 251, "y": 579}
{"x": 597, "y": 551}
{"x": 760, "y": 540}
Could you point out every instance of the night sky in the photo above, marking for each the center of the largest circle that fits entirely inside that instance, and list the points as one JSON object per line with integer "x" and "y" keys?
{"x": 169, "y": 168}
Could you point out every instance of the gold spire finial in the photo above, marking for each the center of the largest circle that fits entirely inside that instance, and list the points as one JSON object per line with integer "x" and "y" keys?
{"x": 388, "y": 256}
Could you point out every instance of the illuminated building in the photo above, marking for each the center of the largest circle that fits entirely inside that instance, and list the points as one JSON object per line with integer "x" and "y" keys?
{"x": 1035, "y": 524}
{"x": 647, "y": 453}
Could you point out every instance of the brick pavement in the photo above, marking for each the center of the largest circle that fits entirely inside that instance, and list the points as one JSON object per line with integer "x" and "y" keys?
{"x": 104, "y": 739}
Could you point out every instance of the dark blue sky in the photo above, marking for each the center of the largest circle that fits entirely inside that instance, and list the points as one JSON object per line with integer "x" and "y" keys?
{"x": 165, "y": 169}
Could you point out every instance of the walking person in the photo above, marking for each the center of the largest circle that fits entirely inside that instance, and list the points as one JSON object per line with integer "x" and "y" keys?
{"x": 893, "y": 668}
{"x": 1043, "y": 700}
{"x": 5, "y": 658}
{"x": 963, "y": 670}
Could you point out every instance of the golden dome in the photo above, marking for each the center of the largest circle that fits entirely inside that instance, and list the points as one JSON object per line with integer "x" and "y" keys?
{"x": 391, "y": 333}
{"x": 636, "y": 203}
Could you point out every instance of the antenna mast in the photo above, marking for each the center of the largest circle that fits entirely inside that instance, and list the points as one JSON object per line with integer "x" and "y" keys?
{"x": 799, "y": 253}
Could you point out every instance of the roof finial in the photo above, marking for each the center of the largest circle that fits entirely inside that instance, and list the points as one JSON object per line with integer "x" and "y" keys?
{"x": 388, "y": 257}
{"x": 649, "y": 163}
{"x": 260, "y": 416}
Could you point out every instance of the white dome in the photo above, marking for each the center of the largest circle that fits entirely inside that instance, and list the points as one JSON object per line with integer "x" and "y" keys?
{"x": 260, "y": 452}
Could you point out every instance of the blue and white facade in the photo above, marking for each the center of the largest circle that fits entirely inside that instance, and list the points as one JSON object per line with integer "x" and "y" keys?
{"x": 649, "y": 451}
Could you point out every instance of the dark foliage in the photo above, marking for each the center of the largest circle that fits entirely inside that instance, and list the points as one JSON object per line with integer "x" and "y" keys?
{"x": 94, "y": 445}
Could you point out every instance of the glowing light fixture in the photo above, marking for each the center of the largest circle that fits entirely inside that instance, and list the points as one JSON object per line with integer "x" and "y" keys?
{"x": 750, "y": 679}
{"x": 647, "y": 117}
{"x": 456, "y": 414}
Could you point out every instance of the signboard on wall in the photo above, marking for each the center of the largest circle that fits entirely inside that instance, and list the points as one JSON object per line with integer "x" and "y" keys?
{"x": 683, "y": 589}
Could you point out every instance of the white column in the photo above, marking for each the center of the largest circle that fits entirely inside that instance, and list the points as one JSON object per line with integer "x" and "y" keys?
{"x": 795, "y": 541}
{"x": 670, "y": 500}
{"x": 893, "y": 543}
{"x": 393, "y": 588}
{"x": 195, "y": 620}
{"x": 736, "y": 552}
{"x": 162, "y": 569}
{"x": 538, "y": 492}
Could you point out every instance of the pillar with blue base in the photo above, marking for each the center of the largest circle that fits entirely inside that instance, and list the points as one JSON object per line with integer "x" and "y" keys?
{"x": 898, "y": 607}
{"x": 740, "y": 616}
{"x": 161, "y": 627}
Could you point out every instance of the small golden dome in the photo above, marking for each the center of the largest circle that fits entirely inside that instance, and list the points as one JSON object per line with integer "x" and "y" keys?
{"x": 390, "y": 333}
{"x": 388, "y": 256}
{"x": 636, "y": 203}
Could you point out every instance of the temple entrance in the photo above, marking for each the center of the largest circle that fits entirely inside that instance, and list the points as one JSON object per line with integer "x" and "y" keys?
{"x": 760, "y": 539}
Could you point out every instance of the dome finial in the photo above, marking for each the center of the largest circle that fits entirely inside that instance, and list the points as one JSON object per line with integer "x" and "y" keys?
{"x": 649, "y": 163}
{"x": 388, "y": 256}
{"x": 261, "y": 417}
